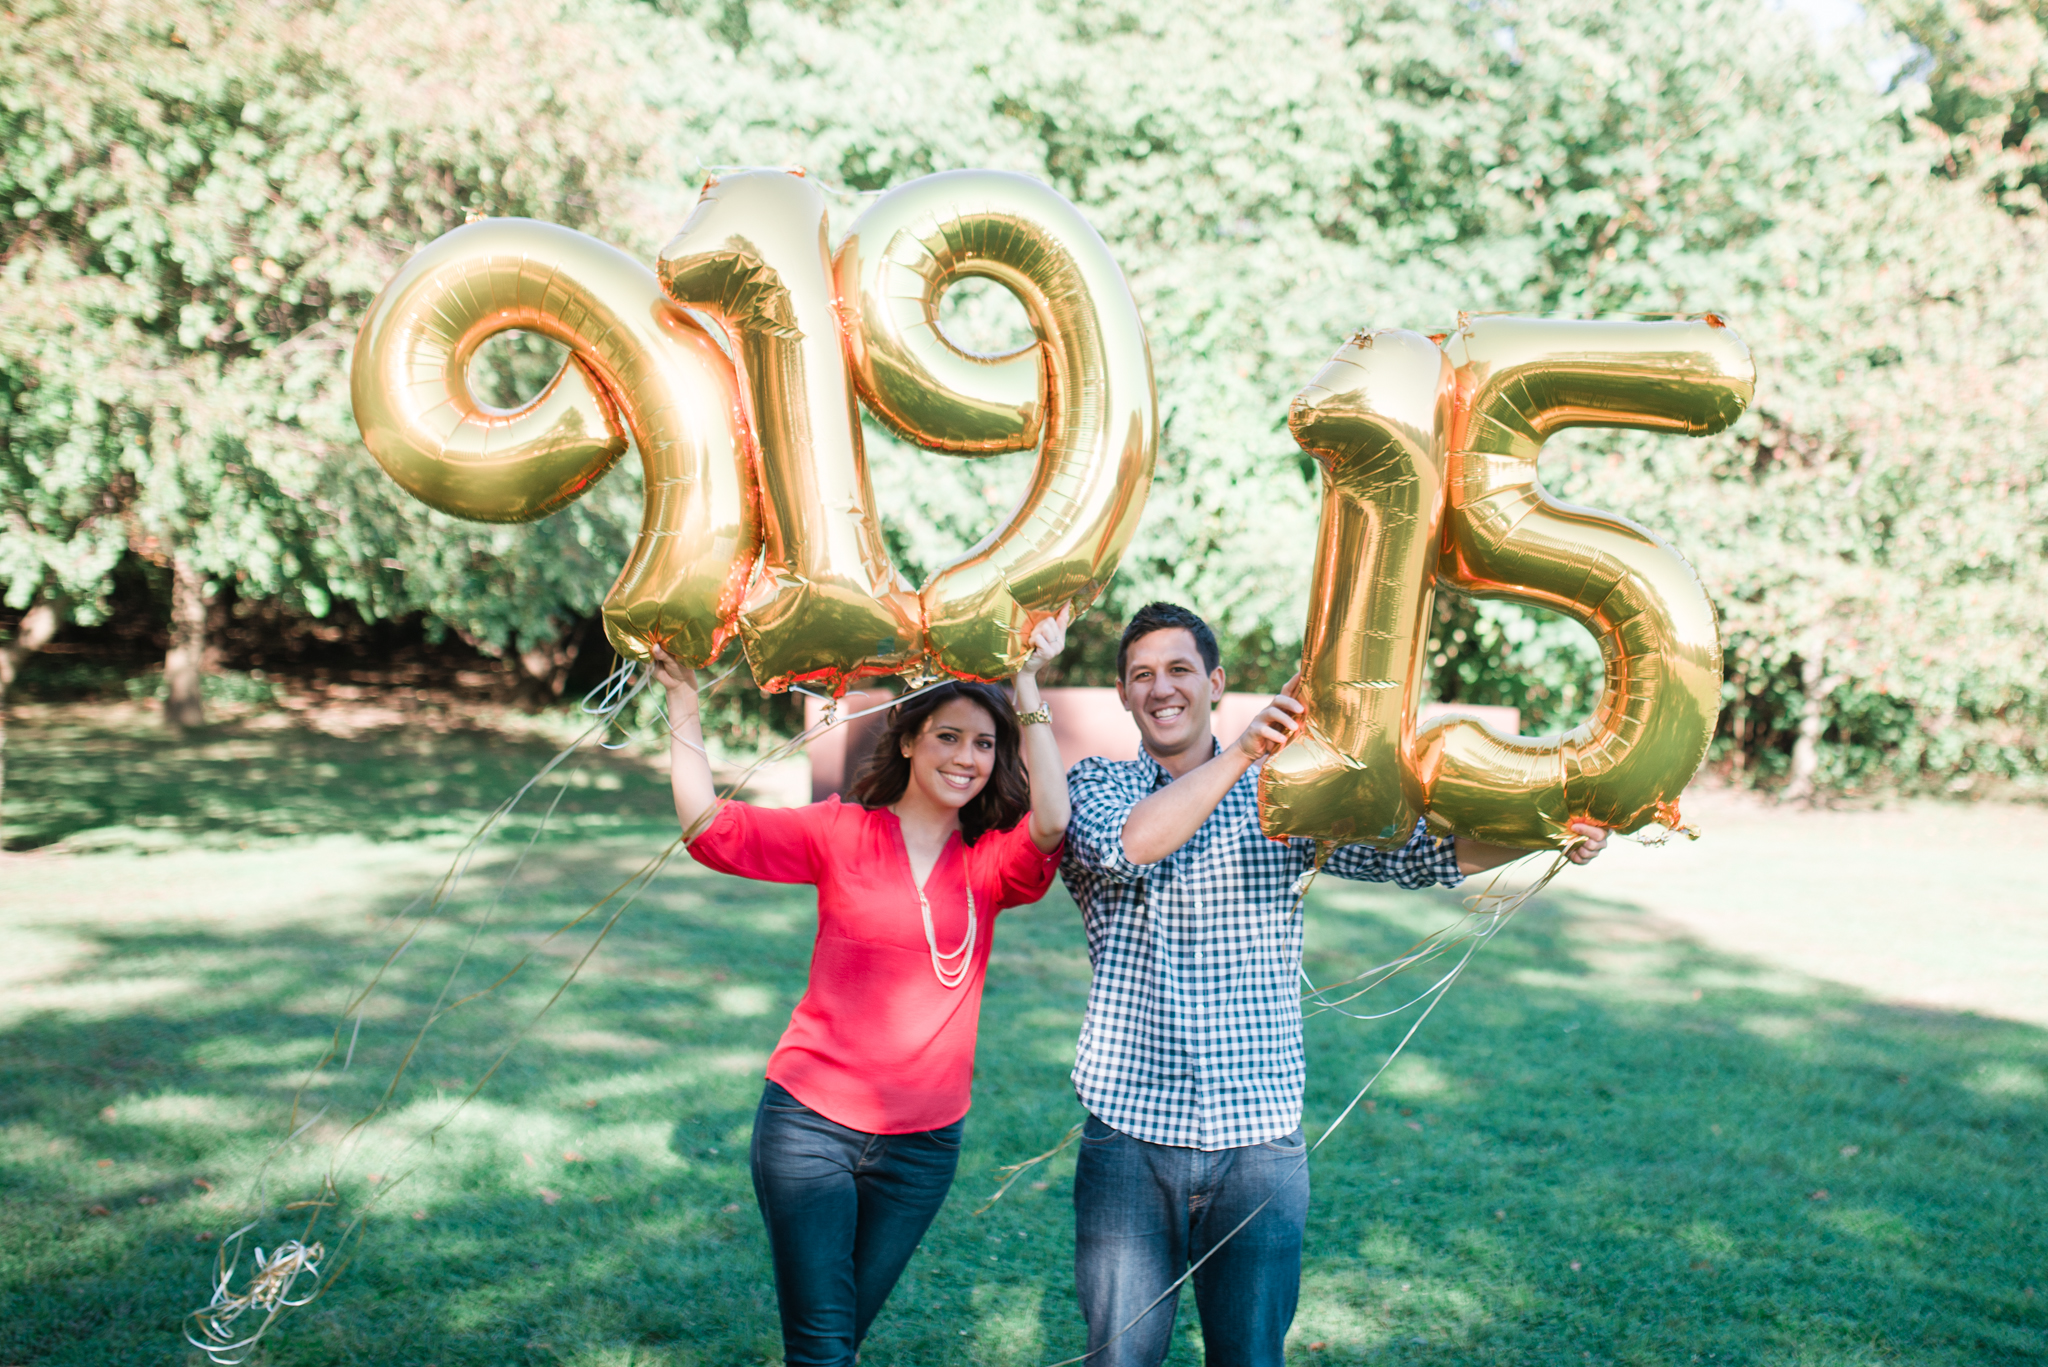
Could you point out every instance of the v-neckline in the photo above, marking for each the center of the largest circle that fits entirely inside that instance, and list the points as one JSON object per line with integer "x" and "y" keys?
{"x": 922, "y": 889}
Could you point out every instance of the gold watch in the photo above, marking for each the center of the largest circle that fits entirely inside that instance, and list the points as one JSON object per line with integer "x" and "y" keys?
{"x": 1040, "y": 715}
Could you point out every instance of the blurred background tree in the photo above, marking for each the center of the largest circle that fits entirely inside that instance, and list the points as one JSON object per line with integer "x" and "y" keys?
{"x": 204, "y": 197}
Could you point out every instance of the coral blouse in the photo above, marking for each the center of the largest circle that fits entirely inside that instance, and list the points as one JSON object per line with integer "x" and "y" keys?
{"x": 877, "y": 1044}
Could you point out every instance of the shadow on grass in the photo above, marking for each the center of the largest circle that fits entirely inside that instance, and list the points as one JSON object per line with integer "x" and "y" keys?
{"x": 108, "y": 784}
{"x": 1607, "y": 1145}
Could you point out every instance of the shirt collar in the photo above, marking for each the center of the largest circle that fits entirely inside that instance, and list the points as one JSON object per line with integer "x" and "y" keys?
{"x": 1156, "y": 774}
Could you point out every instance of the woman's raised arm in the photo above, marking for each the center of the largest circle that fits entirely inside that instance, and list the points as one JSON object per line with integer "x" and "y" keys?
{"x": 689, "y": 764}
{"x": 1049, "y": 806}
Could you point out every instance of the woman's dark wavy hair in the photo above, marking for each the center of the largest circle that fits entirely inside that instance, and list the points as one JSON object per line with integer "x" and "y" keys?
{"x": 1003, "y": 800}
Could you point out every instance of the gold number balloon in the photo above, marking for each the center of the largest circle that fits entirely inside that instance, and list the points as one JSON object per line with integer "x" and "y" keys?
{"x": 637, "y": 364}
{"x": 829, "y": 606}
{"x": 1084, "y": 389}
{"x": 759, "y": 457}
{"x": 1516, "y": 381}
{"x": 1376, "y": 418}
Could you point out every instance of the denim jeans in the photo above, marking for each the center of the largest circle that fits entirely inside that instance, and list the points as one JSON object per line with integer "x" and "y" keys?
{"x": 844, "y": 1211}
{"x": 1144, "y": 1212}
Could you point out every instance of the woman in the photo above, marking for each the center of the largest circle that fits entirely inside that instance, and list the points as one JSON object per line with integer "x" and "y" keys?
{"x": 954, "y": 817}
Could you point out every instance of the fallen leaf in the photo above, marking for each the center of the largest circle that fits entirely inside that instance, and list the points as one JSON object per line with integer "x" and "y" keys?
{"x": 202, "y": 1184}
{"x": 571, "y": 1156}
{"x": 550, "y": 1195}
{"x": 1500, "y": 1215}
{"x": 1412, "y": 1124}
{"x": 106, "y": 1162}
{"x": 1406, "y": 1111}
{"x": 97, "y": 1210}
{"x": 1697, "y": 994}
{"x": 1372, "y": 1105}
{"x": 419, "y": 1215}
{"x": 600, "y": 1199}
{"x": 107, "y": 1114}
{"x": 1317, "y": 1346}
{"x": 728, "y": 1210}
{"x": 145, "y": 1200}
{"x": 1851, "y": 1150}
{"x": 529, "y": 1160}
{"x": 374, "y": 1178}
{"x": 590, "y": 1103}
{"x": 1575, "y": 1267}
{"x": 202, "y": 1238}
{"x": 1820, "y": 1195}
{"x": 1040, "y": 1186}
{"x": 1702, "y": 1265}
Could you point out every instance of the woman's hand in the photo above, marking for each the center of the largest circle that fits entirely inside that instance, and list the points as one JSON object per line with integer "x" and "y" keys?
{"x": 1048, "y": 639}
{"x": 676, "y": 678}
{"x": 1592, "y": 840}
{"x": 1049, "y": 806}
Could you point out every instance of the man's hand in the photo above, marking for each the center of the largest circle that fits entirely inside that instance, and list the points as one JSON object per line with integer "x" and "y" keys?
{"x": 1275, "y": 725}
{"x": 1477, "y": 856}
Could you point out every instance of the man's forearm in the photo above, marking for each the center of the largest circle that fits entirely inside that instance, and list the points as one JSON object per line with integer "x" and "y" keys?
{"x": 1476, "y": 856}
{"x": 1165, "y": 821}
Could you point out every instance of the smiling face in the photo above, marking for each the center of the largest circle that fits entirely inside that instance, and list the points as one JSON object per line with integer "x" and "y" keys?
{"x": 952, "y": 757}
{"x": 1168, "y": 692}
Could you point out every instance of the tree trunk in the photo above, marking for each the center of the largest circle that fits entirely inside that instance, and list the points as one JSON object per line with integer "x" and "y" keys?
{"x": 185, "y": 662}
{"x": 38, "y": 625}
{"x": 1814, "y": 684}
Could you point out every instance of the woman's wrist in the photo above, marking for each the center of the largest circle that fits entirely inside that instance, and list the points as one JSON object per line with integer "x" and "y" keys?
{"x": 1025, "y": 686}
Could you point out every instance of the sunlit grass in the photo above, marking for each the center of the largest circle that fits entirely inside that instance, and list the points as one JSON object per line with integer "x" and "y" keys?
{"x": 1608, "y": 1145}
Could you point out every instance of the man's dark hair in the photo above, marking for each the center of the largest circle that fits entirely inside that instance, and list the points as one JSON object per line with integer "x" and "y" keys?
{"x": 1165, "y": 617}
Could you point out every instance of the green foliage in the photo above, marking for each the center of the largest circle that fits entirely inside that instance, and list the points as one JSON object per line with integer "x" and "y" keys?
{"x": 183, "y": 276}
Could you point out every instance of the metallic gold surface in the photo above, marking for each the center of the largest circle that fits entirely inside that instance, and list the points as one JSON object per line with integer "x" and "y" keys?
{"x": 638, "y": 365}
{"x": 828, "y": 606}
{"x": 1519, "y": 381}
{"x": 1086, "y": 386}
{"x": 1376, "y": 418}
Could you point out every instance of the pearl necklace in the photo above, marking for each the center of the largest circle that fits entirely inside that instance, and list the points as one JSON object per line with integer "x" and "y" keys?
{"x": 953, "y": 977}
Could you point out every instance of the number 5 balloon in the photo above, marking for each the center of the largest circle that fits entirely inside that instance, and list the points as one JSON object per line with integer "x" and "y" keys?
{"x": 1501, "y": 388}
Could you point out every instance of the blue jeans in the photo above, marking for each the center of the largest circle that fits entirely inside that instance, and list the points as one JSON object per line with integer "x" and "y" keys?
{"x": 1144, "y": 1212}
{"x": 844, "y": 1211}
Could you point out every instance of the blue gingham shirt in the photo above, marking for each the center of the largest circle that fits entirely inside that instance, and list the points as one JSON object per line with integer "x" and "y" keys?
{"x": 1193, "y": 1031}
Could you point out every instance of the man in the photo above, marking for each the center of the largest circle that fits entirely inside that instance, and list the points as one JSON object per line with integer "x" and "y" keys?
{"x": 1190, "y": 1060}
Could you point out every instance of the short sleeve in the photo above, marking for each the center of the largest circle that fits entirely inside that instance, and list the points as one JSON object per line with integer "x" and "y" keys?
{"x": 1102, "y": 799}
{"x": 1012, "y": 860}
{"x": 1423, "y": 861}
{"x": 773, "y": 844}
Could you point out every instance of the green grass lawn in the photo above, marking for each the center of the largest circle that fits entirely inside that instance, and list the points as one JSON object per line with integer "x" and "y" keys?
{"x": 1607, "y": 1145}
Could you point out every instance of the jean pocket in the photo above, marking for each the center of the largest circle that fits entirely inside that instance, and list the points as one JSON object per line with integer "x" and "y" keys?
{"x": 776, "y": 1098}
{"x": 1288, "y": 1145}
{"x": 948, "y": 1136}
{"x": 1096, "y": 1130}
